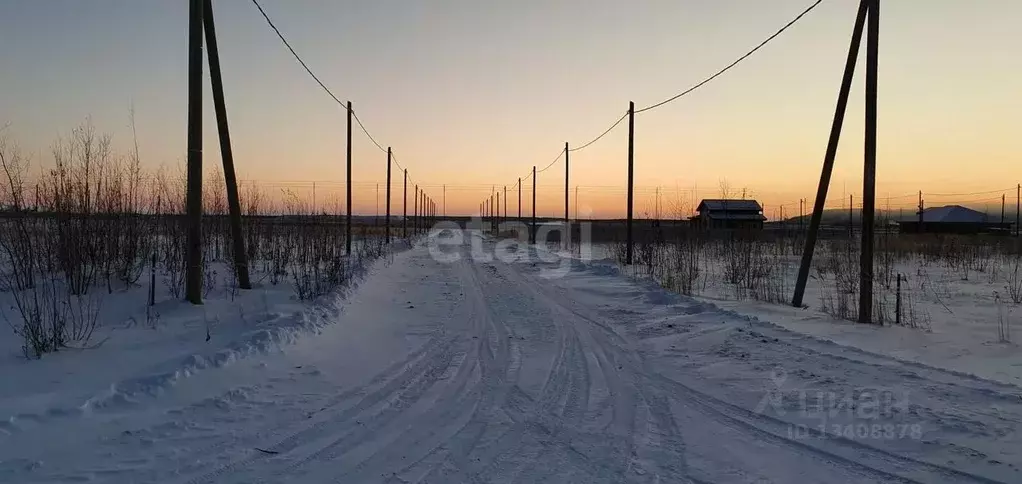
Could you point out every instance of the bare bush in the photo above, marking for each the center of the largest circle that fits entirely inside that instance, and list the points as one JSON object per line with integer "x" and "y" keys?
{"x": 1003, "y": 321}
{"x": 1014, "y": 285}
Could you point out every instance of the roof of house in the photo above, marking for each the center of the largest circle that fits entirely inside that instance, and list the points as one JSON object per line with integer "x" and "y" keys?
{"x": 950, "y": 214}
{"x": 734, "y": 216}
{"x": 714, "y": 205}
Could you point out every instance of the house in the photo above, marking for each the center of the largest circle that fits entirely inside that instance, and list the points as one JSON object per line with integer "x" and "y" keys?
{"x": 952, "y": 219}
{"x": 729, "y": 214}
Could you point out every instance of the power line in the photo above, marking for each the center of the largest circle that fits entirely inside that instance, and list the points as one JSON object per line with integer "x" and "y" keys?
{"x": 314, "y": 76}
{"x": 552, "y": 162}
{"x": 393, "y": 157}
{"x": 740, "y": 59}
{"x": 297, "y": 57}
{"x": 364, "y": 130}
{"x": 965, "y": 194}
{"x": 622, "y": 118}
{"x": 693, "y": 88}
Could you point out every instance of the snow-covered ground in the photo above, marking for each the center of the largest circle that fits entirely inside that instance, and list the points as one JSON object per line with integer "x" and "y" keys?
{"x": 482, "y": 369}
{"x": 953, "y": 315}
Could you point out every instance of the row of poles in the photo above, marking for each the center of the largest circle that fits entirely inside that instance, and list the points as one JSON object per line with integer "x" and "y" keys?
{"x": 866, "y": 21}
{"x": 201, "y": 27}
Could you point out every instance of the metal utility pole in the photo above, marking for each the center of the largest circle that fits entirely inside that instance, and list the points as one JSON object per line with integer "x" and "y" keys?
{"x": 226, "y": 153}
{"x": 631, "y": 162}
{"x": 532, "y": 233}
{"x": 193, "y": 209}
{"x": 828, "y": 159}
{"x": 388, "y": 194}
{"x": 869, "y": 170}
{"x": 347, "y": 218}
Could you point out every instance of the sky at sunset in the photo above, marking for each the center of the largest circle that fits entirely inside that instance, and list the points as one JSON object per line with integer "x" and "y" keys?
{"x": 471, "y": 94}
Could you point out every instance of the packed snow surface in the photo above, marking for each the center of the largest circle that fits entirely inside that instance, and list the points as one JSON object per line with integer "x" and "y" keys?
{"x": 468, "y": 360}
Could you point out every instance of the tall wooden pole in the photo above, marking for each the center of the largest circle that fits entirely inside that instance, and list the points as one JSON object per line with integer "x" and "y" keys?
{"x": 631, "y": 179}
{"x": 404, "y": 208}
{"x": 1003, "y": 198}
{"x": 505, "y": 202}
{"x": 193, "y": 209}
{"x": 226, "y": 153}
{"x": 870, "y": 165}
{"x": 388, "y": 193}
{"x": 347, "y": 218}
{"x": 519, "y": 199}
{"x": 532, "y": 233}
{"x": 567, "y": 227}
{"x": 828, "y": 159}
{"x": 415, "y": 212}
{"x": 851, "y": 223}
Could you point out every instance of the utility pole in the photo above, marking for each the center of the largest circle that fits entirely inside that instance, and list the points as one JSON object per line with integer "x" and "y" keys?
{"x": 870, "y": 166}
{"x": 347, "y": 220}
{"x": 631, "y": 160}
{"x": 1018, "y": 202}
{"x": 1002, "y": 208}
{"x": 415, "y": 216}
{"x": 519, "y": 199}
{"x": 445, "y": 200}
{"x": 388, "y": 193}
{"x": 922, "y": 210}
{"x": 193, "y": 209}
{"x": 828, "y": 160}
{"x": 404, "y": 208}
{"x": 226, "y": 152}
{"x": 851, "y": 222}
{"x": 565, "y": 240}
{"x": 532, "y": 233}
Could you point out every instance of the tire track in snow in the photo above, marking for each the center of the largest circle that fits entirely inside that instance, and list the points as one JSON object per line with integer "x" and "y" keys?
{"x": 395, "y": 370}
{"x": 462, "y": 458}
{"x": 408, "y": 372}
{"x": 447, "y": 421}
{"x": 621, "y": 432}
{"x": 847, "y": 453}
{"x": 486, "y": 354}
{"x": 342, "y": 439}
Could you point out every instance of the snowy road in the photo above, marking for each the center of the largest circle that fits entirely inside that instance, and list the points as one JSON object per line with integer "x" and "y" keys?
{"x": 489, "y": 371}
